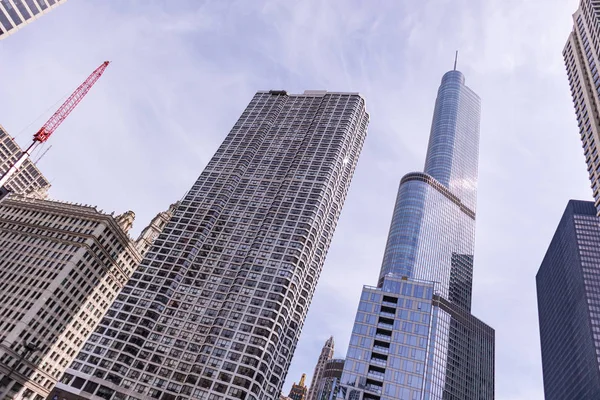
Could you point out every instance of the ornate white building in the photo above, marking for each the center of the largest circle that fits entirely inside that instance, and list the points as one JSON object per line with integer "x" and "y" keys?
{"x": 61, "y": 266}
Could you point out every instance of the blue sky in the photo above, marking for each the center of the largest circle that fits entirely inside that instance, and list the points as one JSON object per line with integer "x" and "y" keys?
{"x": 183, "y": 71}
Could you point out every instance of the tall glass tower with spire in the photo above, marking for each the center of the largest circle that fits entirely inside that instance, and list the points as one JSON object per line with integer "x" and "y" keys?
{"x": 414, "y": 336}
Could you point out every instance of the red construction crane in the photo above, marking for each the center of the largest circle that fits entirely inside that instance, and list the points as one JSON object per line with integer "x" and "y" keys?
{"x": 54, "y": 122}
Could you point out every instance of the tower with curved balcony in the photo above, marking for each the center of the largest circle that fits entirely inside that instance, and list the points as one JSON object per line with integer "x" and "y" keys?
{"x": 216, "y": 307}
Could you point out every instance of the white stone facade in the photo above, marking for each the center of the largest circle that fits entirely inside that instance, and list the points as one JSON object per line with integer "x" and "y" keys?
{"x": 61, "y": 266}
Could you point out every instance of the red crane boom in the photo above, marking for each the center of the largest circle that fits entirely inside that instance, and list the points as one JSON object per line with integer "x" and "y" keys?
{"x": 54, "y": 122}
{"x": 63, "y": 112}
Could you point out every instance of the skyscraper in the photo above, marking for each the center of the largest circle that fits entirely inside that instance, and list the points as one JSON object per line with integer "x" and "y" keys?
{"x": 216, "y": 307}
{"x": 568, "y": 291}
{"x": 582, "y": 58}
{"x": 14, "y": 14}
{"x": 28, "y": 180}
{"x": 414, "y": 336}
{"x": 326, "y": 355}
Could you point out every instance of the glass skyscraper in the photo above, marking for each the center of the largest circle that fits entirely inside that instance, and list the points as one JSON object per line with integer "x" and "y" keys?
{"x": 216, "y": 307}
{"x": 414, "y": 336}
{"x": 568, "y": 291}
{"x": 14, "y": 14}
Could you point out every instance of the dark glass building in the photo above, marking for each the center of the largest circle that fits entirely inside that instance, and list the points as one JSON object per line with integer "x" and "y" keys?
{"x": 568, "y": 291}
{"x": 414, "y": 337}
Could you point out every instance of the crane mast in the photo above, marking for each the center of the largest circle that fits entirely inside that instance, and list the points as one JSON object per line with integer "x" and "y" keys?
{"x": 52, "y": 124}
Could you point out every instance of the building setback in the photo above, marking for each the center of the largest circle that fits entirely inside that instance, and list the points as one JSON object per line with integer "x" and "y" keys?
{"x": 61, "y": 266}
{"x": 326, "y": 355}
{"x": 14, "y": 14}
{"x": 568, "y": 291}
{"x": 216, "y": 307}
{"x": 414, "y": 336}
{"x": 582, "y": 58}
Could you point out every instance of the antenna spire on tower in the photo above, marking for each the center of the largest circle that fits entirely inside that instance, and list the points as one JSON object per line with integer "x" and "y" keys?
{"x": 455, "y": 59}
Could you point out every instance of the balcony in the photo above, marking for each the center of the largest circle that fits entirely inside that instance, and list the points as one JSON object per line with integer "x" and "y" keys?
{"x": 373, "y": 389}
{"x": 379, "y": 361}
{"x": 381, "y": 349}
{"x": 385, "y": 325}
{"x": 383, "y": 337}
{"x": 376, "y": 375}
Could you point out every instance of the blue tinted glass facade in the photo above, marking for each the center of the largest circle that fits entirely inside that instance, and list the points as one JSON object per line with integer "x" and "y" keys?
{"x": 568, "y": 291}
{"x": 414, "y": 337}
{"x": 453, "y": 149}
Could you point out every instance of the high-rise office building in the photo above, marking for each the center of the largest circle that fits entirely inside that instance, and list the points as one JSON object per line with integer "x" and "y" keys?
{"x": 329, "y": 383}
{"x": 568, "y": 291}
{"x": 216, "y": 307}
{"x": 14, "y": 14}
{"x": 299, "y": 391}
{"x": 414, "y": 336}
{"x": 28, "y": 180}
{"x": 582, "y": 59}
{"x": 326, "y": 355}
{"x": 61, "y": 266}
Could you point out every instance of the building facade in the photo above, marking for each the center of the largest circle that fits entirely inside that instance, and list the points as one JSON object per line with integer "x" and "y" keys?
{"x": 568, "y": 292}
{"x": 582, "y": 58}
{"x": 299, "y": 391}
{"x": 216, "y": 308}
{"x": 61, "y": 266}
{"x": 28, "y": 180}
{"x": 14, "y": 14}
{"x": 329, "y": 383}
{"x": 414, "y": 336}
{"x": 326, "y": 355}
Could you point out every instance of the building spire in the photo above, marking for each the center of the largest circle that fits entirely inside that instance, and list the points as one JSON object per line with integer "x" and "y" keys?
{"x": 302, "y": 379}
{"x": 455, "y": 59}
{"x": 329, "y": 342}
